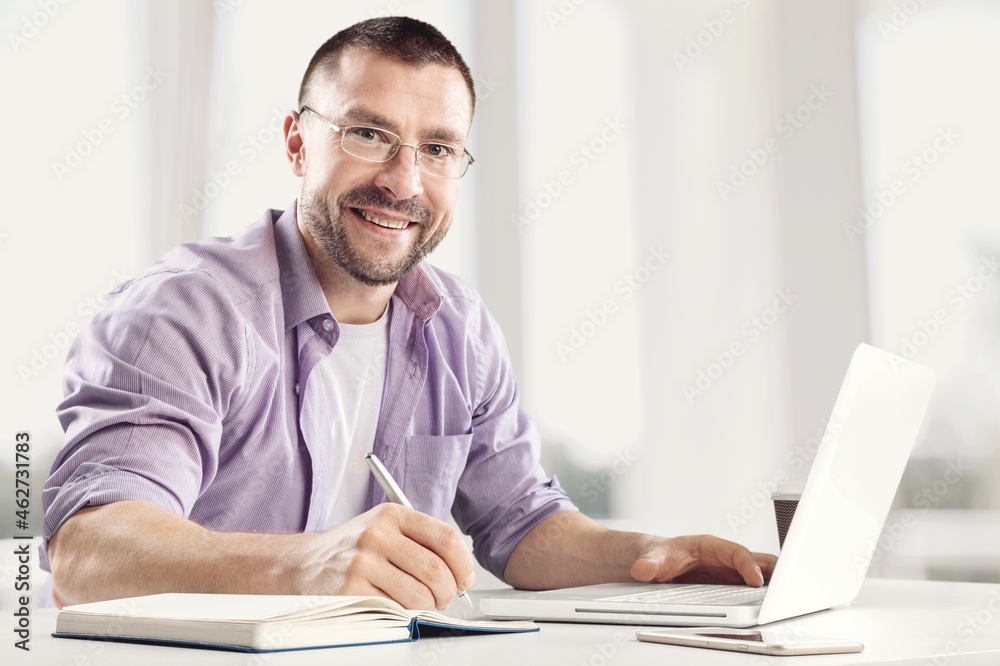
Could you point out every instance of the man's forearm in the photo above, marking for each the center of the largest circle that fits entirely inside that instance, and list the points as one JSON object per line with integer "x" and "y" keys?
{"x": 131, "y": 548}
{"x": 569, "y": 549}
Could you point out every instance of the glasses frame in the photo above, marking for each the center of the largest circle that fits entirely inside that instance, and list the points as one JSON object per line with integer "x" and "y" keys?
{"x": 395, "y": 151}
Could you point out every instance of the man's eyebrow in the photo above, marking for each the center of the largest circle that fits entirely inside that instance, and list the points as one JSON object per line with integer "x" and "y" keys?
{"x": 444, "y": 136}
{"x": 365, "y": 116}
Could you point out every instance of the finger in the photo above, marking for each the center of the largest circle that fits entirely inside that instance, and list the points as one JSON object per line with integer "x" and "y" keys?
{"x": 756, "y": 568}
{"x": 394, "y": 559}
{"x": 430, "y": 551}
{"x": 766, "y": 562}
{"x": 736, "y": 558}
{"x": 385, "y": 578}
{"x": 365, "y": 588}
{"x": 444, "y": 541}
{"x": 664, "y": 562}
{"x": 426, "y": 568}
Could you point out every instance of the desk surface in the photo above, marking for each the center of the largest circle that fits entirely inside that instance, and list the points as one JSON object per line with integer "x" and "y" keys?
{"x": 899, "y": 621}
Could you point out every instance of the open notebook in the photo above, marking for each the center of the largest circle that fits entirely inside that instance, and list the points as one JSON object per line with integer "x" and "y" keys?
{"x": 262, "y": 623}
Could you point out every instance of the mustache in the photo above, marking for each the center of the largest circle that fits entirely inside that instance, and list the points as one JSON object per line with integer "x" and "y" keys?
{"x": 367, "y": 195}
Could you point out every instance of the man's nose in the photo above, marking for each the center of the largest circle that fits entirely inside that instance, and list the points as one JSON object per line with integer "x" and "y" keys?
{"x": 400, "y": 176}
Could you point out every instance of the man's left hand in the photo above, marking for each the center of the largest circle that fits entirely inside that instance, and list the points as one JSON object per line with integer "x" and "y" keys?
{"x": 701, "y": 559}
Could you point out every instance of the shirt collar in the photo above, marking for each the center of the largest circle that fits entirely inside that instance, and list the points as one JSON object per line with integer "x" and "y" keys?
{"x": 302, "y": 296}
{"x": 418, "y": 292}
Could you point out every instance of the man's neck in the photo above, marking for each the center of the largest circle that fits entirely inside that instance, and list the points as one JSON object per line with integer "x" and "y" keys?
{"x": 350, "y": 301}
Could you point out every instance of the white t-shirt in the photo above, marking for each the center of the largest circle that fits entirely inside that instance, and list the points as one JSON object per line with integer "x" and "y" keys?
{"x": 346, "y": 388}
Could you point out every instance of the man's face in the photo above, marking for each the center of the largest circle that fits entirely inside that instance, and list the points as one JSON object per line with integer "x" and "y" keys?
{"x": 376, "y": 221}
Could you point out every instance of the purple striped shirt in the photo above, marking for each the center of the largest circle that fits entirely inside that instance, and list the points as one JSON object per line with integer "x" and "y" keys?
{"x": 185, "y": 392}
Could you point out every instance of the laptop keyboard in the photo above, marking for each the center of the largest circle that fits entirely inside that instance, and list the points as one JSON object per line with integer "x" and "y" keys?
{"x": 715, "y": 595}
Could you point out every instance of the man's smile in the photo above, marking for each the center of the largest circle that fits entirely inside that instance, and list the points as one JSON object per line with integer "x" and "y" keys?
{"x": 383, "y": 219}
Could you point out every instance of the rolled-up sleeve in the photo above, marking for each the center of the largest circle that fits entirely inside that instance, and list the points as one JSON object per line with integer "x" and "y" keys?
{"x": 503, "y": 492}
{"x": 147, "y": 384}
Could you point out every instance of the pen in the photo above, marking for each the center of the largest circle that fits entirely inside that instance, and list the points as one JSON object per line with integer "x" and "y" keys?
{"x": 395, "y": 493}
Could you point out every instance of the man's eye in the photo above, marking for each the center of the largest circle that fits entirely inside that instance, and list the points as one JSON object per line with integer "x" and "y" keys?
{"x": 438, "y": 150}
{"x": 368, "y": 135}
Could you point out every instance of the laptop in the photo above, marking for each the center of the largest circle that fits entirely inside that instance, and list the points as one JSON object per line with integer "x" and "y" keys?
{"x": 831, "y": 539}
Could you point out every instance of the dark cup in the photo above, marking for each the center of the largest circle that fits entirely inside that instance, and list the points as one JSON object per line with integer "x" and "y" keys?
{"x": 784, "y": 511}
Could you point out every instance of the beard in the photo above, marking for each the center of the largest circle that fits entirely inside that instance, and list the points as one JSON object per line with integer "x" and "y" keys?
{"x": 330, "y": 231}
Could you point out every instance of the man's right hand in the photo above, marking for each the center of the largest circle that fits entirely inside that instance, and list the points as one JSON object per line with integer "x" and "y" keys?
{"x": 391, "y": 551}
{"x": 129, "y": 549}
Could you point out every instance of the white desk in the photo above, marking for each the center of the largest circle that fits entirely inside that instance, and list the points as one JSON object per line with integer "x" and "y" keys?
{"x": 900, "y": 622}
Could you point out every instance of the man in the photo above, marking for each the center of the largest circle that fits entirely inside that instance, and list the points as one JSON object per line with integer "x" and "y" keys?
{"x": 219, "y": 407}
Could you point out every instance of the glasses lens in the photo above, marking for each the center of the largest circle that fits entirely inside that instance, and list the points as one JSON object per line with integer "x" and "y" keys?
{"x": 442, "y": 160}
{"x": 370, "y": 143}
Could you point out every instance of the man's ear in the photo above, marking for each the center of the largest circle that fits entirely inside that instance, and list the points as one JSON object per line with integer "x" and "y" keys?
{"x": 295, "y": 147}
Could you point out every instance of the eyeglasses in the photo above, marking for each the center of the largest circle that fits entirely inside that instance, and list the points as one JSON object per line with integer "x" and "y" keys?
{"x": 378, "y": 145}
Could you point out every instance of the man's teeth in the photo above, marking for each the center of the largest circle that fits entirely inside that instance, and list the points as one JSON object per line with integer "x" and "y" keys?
{"x": 389, "y": 224}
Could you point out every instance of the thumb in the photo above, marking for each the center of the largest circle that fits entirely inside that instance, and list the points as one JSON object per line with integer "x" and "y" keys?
{"x": 645, "y": 568}
{"x": 665, "y": 559}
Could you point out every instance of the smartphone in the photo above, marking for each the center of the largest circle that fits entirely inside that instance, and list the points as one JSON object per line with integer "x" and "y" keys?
{"x": 756, "y": 641}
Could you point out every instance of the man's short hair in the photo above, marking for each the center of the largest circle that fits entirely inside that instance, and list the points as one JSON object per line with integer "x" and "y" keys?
{"x": 414, "y": 42}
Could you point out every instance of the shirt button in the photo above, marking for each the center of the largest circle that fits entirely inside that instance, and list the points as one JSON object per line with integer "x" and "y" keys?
{"x": 296, "y": 388}
{"x": 328, "y": 324}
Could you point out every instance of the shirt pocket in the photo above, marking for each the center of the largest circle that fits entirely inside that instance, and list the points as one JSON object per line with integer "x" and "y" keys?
{"x": 434, "y": 464}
